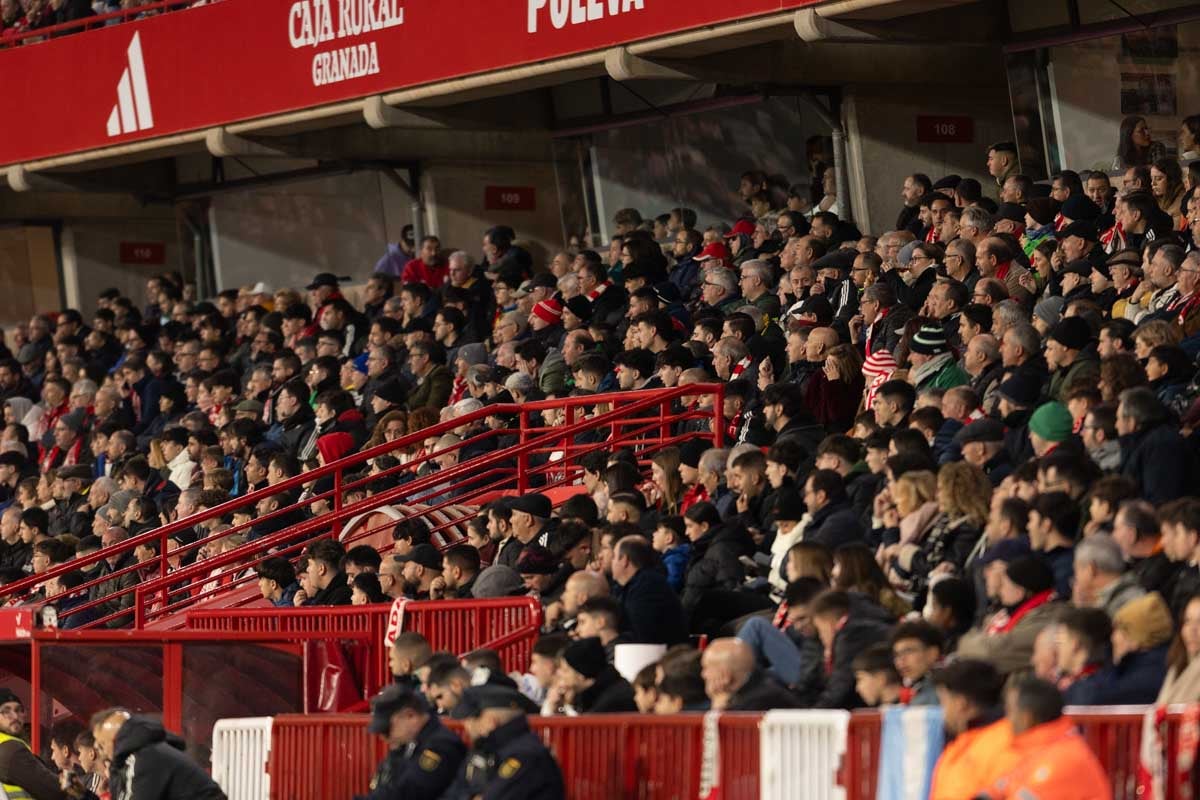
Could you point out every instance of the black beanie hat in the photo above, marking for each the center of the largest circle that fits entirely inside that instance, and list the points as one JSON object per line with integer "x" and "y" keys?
{"x": 1031, "y": 574}
{"x": 586, "y": 656}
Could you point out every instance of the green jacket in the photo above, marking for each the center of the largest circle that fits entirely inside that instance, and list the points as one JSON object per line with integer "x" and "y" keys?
{"x": 433, "y": 391}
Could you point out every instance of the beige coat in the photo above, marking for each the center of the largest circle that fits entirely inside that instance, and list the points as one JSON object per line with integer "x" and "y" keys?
{"x": 1181, "y": 687}
{"x": 1011, "y": 651}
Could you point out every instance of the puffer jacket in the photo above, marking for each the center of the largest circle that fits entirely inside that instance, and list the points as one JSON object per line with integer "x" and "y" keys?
{"x": 149, "y": 764}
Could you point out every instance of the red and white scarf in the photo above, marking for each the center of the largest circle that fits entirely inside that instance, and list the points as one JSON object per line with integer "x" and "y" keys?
{"x": 599, "y": 290}
{"x": 739, "y": 368}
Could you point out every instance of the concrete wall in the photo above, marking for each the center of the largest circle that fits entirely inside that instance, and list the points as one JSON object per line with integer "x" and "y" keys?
{"x": 454, "y": 197}
{"x": 91, "y": 256}
{"x": 882, "y": 132}
{"x": 28, "y": 272}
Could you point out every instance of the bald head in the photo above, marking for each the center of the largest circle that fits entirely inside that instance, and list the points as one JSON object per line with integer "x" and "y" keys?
{"x": 581, "y": 587}
{"x": 105, "y": 727}
{"x": 725, "y": 666}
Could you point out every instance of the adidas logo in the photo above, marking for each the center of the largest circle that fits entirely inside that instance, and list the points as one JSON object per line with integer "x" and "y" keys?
{"x": 132, "y": 111}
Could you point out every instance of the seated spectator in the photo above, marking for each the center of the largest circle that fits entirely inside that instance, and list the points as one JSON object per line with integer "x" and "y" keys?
{"x": 917, "y": 647}
{"x": 328, "y": 582}
{"x": 598, "y": 618}
{"x": 681, "y": 694}
{"x": 951, "y": 607}
{"x": 845, "y": 633}
{"x": 650, "y": 612}
{"x": 587, "y": 684}
{"x": 875, "y": 677}
{"x": 1182, "y": 684}
{"x": 1141, "y": 633}
{"x": 733, "y": 683}
{"x": 1025, "y": 591}
{"x": 1101, "y": 578}
{"x": 671, "y": 544}
{"x": 1083, "y": 641}
{"x": 365, "y": 590}
{"x": 789, "y": 650}
{"x": 277, "y": 582}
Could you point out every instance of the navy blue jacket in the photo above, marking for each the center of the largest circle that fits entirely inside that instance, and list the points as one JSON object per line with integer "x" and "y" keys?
{"x": 650, "y": 611}
{"x": 1134, "y": 681}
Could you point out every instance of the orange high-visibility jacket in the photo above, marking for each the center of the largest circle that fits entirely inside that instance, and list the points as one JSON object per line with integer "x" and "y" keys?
{"x": 973, "y": 762}
{"x": 1055, "y": 763}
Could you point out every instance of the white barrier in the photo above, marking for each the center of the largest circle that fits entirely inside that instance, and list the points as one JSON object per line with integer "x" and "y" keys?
{"x": 239, "y": 757}
{"x": 800, "y": 753}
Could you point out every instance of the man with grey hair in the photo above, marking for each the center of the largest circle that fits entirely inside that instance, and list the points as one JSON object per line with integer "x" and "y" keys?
{"x": 975, "y": 224}
{"x": 83, "y": 393}
{"x": 959, "y": 261}
{"x": 1158, "y": 292}
{"x": 719, "y": 290}
{"x": 519, "y": 385}
{"x": 982, "y": 362}
{"x": 711, "y": 475}
{"x": 102, "y": 489}
{"x": 756, "y": 283}
{"x": 731, "y": 359}
{"x": 1101, "y": 578}
{"x": 479, "y": 379}
{"x": 1007, "y": 314}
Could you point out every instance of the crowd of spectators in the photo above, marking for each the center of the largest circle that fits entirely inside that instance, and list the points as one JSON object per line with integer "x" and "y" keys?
{"x": 957, "y": 451}
{"x": 19, "y": 18}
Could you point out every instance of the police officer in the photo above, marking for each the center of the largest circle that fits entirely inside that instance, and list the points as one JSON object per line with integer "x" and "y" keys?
{"x": 23, "y": 776}
{"x": 507, "y": 760}
{"x": 423, "y": 757}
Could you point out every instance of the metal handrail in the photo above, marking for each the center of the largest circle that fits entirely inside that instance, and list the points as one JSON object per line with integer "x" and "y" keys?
{"x": 531, "y": 440}
{"x": 97, "y": 21}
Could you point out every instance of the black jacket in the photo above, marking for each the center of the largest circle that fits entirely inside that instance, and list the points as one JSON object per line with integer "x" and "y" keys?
{"x": 761, "y": 692}
{"x": 650, "y": 612}
{"x": 337, "y": 593}
{"x": 714, "y": 563}
{"x": 1159, "y": 461}
{"x": 855, "y": 636}
{"x": 511, "y": 763}
{"x": 834, "y": 525}
{"x": 294, "y": 431}
{"x": 422, "y": 771}
{"x": 608, "y": 695}
{"x": 149, "y": 764}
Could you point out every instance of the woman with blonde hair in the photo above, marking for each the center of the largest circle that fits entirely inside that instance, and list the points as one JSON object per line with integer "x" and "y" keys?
{"x": 1151, "y": 334}
{"x": 964, "y": 496}
{"x": 809, "y": 560}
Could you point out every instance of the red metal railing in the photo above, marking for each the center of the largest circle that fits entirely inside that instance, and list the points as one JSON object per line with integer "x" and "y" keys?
{"x": 508, "y": 625}
{"x": 632, "y": 756}
{"x": 646, "y": 420}
{"x": 97, "y": 21}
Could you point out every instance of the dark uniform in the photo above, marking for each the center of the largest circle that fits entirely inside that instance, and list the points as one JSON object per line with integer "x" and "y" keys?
{"x": 510, "y": 763}
{"x": 422, "y": 769}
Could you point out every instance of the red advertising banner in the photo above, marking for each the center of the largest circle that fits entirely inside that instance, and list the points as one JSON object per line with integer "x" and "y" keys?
{"x": 236, "y": 60}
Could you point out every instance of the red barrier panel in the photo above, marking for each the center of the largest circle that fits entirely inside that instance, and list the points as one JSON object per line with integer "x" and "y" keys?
{"x": 507, "y": 625}
{"x": 644, "y": 757}
{"x": 862, "y": 755}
